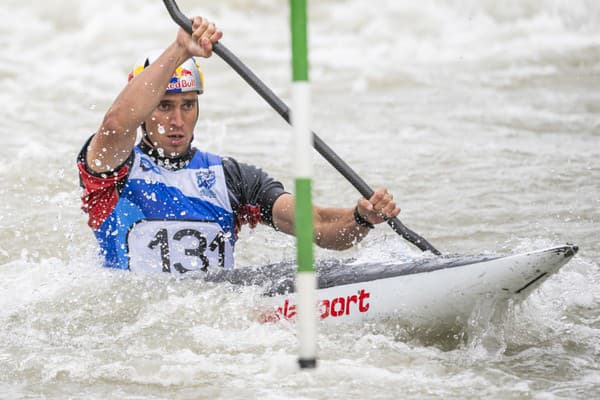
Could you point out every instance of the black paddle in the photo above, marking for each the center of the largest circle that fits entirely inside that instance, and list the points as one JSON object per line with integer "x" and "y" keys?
{"x": 284, "y": 111}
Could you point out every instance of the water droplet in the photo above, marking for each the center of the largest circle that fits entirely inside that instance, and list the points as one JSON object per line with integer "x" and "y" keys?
{"x": 161, "y": 129}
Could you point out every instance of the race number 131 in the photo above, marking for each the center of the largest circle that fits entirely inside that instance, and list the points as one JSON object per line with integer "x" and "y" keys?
{"x": 177, "y": 245}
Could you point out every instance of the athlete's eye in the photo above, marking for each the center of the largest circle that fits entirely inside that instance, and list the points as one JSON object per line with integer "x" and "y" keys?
{"x": 164, "y": 106}
{"x": 188, "y": 105}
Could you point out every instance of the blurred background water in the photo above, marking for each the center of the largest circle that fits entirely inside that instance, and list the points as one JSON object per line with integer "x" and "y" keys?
{"x": 481, "y": 117}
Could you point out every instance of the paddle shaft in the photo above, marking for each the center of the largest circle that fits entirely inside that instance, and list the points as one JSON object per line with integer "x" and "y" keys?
{"x": 282, "y": 109}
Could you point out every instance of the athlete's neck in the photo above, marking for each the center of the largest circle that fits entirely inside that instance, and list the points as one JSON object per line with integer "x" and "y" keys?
{"x": 171, "y": 163}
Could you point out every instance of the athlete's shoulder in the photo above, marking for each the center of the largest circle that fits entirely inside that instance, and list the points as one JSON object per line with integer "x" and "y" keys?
{"x": 203, "y": 159}
{"x": 236, "y": 167}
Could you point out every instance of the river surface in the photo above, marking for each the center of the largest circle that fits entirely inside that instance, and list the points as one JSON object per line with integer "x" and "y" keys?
{"x": 481, "y": 116}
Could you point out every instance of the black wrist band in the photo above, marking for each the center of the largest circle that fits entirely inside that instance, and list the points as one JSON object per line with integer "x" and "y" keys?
{"x": 360, "y": 220}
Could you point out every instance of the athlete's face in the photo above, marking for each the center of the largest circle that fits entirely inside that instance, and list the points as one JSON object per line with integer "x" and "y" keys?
{"x": 171, "y": 126}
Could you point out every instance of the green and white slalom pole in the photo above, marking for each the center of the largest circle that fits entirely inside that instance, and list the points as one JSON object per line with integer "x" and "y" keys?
{"x": 306, "y": 284}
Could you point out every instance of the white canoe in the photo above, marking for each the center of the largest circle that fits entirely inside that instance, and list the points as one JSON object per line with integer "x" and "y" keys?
{"x": 432, "y": 290}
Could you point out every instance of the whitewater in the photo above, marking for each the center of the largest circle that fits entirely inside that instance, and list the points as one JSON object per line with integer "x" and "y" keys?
{"x": 482, "y": 117}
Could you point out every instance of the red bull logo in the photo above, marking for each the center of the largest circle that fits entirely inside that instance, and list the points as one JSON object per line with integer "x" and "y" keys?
{"x": 184, "y": 72}
{"x": 335, "y": 307}
{"x": 182, "y": 79}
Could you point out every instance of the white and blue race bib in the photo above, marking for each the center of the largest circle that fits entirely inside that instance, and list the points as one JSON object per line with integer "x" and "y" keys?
{"x": 178, "y": 246}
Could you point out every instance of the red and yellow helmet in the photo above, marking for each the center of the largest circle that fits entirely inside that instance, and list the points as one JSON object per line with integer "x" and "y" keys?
{"x": 188, "y": 77}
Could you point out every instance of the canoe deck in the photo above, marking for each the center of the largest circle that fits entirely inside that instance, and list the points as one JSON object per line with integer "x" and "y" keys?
{"x": 278, "y": 278}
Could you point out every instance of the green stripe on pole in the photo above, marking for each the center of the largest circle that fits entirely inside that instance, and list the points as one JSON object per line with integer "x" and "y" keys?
{"x": 299, "y": 41}
{"x": 304, "y": 225}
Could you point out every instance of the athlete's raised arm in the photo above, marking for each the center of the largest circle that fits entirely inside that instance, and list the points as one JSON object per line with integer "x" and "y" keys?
{"x": 115, "y": 138}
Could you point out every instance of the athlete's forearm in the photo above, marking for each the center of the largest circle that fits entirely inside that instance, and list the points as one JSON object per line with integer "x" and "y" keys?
{"x": 336, "y": 228}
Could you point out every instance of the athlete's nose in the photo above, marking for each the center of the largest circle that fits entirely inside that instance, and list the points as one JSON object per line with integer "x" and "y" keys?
{"x": 176, "y": 119}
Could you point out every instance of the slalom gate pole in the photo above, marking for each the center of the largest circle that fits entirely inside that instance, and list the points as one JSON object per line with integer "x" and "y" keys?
{"x": 303, "y": 223}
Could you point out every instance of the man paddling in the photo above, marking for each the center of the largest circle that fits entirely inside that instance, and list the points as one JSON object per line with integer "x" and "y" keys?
{"x": 164, "y": 205}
